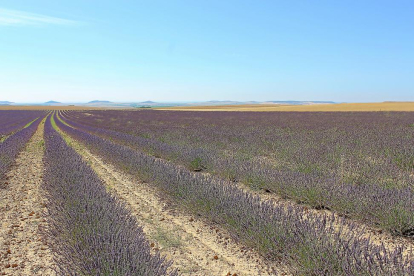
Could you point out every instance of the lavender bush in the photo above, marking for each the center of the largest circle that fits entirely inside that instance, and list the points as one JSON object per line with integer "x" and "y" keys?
{"x": 91, "y": 233}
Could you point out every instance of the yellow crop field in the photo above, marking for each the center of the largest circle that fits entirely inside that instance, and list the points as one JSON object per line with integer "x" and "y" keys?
{"x": 350, "y": 107}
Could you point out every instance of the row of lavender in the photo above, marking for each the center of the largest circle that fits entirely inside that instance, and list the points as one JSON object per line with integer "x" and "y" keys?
{"x": 11, "y": 147}
{"x": 309, "y": 244}
{"x": 390, "y": 207}
{"x": 90, "y": 232}
{"x": 328, "y": 135}
{"x": 12, "y": 120}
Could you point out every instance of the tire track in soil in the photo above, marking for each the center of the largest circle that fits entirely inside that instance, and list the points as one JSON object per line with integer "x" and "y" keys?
{"x": 196, "y": 247}
{"x": 22, "y": 249}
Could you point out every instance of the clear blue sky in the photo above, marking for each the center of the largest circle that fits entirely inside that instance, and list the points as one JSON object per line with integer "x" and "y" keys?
{"x": 72, "y": 51}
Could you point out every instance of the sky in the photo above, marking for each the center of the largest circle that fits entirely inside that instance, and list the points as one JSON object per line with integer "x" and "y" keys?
{"x": 174, "y": 51}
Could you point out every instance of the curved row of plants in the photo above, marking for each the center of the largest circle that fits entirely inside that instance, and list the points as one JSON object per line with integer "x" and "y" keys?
{"x": 90, "y": 231}
{"x": 309, "y": 244}
{"x": 10, "y": 148}
{"x": 390, "y": 208}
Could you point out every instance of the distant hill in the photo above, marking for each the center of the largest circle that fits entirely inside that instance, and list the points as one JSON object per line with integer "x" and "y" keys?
{"x": 152, "y": 104}
{"x": 52, "y": 103}
{"x": 219, "y": 103}
{"x": 99, "y": 102}
{"x": 146, "y": 104}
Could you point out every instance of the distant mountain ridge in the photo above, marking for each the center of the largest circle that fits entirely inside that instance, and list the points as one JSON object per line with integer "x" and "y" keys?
{"x": 98, "y": 101}
{"x": 52, "y": 103}
{"x": 152, "y": 104}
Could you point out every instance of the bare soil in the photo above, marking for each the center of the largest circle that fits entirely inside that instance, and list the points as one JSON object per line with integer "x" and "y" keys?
{"x": 22, "y": 250}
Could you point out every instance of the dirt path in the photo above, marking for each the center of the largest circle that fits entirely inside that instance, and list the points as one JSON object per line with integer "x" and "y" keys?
{"x": 195, "y": 247}
{"x": 22, "y": 251}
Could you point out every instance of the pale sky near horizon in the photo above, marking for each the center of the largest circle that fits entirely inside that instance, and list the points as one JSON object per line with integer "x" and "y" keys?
{"x": 78, "y": 51}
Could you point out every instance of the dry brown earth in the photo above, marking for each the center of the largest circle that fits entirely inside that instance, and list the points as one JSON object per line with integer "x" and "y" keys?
{"x": 22, "y": 250}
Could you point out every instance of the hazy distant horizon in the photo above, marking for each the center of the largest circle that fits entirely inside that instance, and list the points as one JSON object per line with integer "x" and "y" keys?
{"x": 188, "y": 102}
{"x": 85, "y": 102}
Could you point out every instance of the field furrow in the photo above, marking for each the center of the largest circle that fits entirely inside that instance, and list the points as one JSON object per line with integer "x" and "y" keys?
{"x": 22, "y": 249}
{"x": 91, "y": 231}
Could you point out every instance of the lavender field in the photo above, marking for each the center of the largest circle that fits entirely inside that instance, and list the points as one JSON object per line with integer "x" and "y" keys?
{"x": 206, "y": 138}
{"x": 360, "y": 165}
{"x": 207, "y": 193}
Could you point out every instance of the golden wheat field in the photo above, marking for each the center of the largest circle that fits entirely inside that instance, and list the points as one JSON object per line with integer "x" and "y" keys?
{"x": 384, "y": 106}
